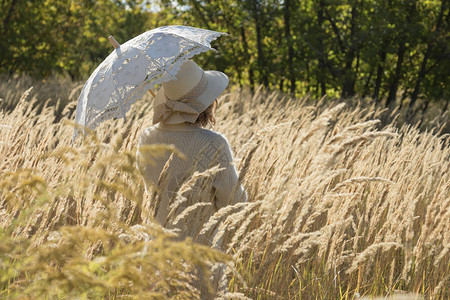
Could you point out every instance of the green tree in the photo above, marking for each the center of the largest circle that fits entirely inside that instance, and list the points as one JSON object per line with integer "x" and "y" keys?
{"x": 345, "y": 48}
{"x": 63, "y": 36}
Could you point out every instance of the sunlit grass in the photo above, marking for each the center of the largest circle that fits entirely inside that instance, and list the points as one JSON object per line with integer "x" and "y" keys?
{"x": 339, "y": 206}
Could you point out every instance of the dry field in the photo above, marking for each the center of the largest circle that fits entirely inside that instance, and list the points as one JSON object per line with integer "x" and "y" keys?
{"x": 339, "y": 206}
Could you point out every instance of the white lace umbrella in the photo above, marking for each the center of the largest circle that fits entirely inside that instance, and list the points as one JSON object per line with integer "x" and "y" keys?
{"x": 135, "y": 67}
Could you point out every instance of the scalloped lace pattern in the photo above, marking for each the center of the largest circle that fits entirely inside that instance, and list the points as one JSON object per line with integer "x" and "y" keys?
{"x": 135, "y": 67}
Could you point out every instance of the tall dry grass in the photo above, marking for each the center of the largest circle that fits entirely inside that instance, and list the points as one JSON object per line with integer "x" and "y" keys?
{"x": 339, "y": 206}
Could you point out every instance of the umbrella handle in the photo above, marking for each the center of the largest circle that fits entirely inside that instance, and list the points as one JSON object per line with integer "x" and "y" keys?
{"x": 151, "y": 92}
{"x": 113, "y": 41}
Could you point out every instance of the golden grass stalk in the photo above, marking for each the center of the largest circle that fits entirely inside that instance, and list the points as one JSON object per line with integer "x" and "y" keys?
{"x": 336, "y": 206}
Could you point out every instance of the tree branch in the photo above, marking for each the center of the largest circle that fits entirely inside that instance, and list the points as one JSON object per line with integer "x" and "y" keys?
{"x": 336, "y": 30}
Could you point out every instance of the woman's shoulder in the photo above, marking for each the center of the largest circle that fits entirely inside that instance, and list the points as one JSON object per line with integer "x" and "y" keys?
{"x": 149, "y": 129}
{"x": 217, "y": 146}
{"x": 148, "y": 132}
{"x": 215, "y": 137}
{"x": 194, "y": 133}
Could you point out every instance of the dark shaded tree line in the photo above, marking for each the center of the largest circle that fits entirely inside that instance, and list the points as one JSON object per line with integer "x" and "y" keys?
{"x": 41, "y": 37}
{"x": 382, "y": 49}
{"x": 387, "y": 50}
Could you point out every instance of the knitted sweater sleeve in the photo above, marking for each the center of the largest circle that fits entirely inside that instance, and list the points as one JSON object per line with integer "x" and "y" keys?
{"x": 226, "y": 184}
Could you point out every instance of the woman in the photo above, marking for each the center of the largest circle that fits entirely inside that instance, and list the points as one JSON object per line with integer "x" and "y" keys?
{"x": 183, "y": 107}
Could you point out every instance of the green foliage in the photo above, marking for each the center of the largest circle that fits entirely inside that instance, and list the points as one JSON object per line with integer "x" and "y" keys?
{"x": 383, "y": 49}
{"x": 340, "y": 48}
{"x": 63, "y": 36}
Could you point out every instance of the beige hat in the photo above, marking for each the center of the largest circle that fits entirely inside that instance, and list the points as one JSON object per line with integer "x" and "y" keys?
{"x": 182, "y": 100}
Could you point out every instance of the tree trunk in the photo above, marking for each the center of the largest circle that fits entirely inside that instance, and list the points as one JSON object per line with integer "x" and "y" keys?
{"x": 11, "y": 8}
{"x": 366, "y": 85}
{"x": 308, "y": 78}
{"x": 423, "y": 66}
{"x": 380, "y": 70}
{"x": 259, "y": 45}
{"x": 348, "y": 87}
{"x": 239, "y": 74}
{"x": 247, "y": 58}
{"x": 424, "y": 111}
{"x": 322, "y": 64}
{"x": 420, "y": 76}
{"x": 287, "y": 34}
{"x": 281, "y": 84}
{"x": 398, "y": 73}
{"x": 400, "y": 56}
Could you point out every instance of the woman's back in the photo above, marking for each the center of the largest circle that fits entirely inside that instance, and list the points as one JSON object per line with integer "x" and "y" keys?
{"x": 203, "y": 149}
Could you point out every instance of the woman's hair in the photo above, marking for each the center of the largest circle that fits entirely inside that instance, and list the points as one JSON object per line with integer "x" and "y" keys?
{"x": 207, "y": 116}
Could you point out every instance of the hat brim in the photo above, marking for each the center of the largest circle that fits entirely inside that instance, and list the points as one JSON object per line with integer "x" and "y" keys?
{"x": 217, "y": 83}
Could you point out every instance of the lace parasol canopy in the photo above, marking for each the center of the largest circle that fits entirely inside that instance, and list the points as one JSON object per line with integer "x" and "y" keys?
{"x": 135, "y": 67}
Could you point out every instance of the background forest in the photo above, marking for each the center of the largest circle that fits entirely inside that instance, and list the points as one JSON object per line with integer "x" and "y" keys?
{"x": 386, "y": 50}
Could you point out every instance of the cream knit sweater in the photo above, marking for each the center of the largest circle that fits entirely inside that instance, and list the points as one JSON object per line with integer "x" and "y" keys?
{"x": 203, "y": 149}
